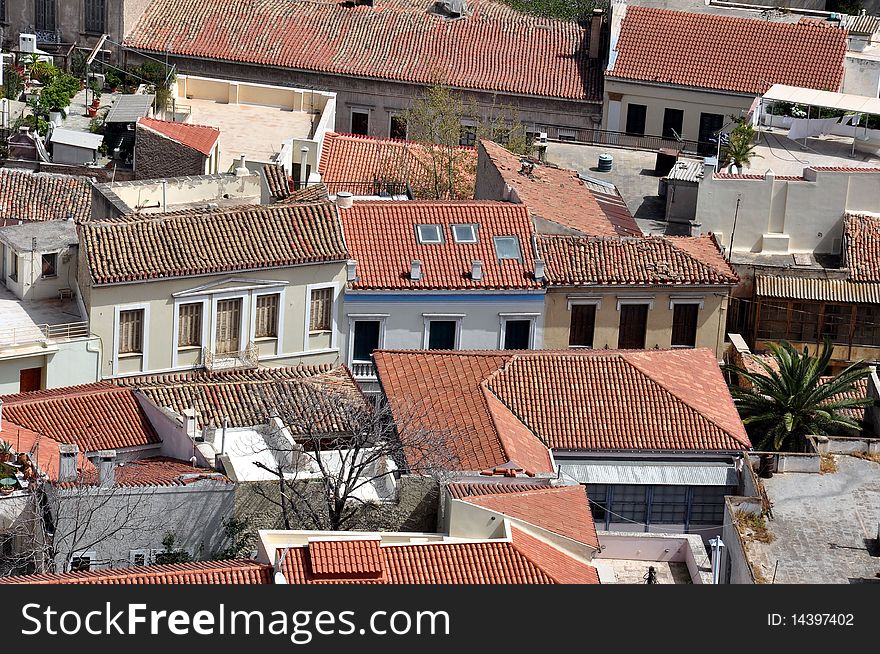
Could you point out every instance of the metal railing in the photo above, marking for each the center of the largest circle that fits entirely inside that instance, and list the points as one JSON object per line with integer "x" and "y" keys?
{"x": 12, "y": 336}
{"x": 246, "y": 358}
{"x": 624, "y": 140}
{"x": 377, "y": 187}
{"x": 363, "y": 370}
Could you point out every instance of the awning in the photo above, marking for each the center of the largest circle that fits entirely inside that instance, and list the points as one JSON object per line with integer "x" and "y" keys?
{"x": 828, "y": 99}
{"x": 817, "y": 290}
{"x": 675, "y": 474}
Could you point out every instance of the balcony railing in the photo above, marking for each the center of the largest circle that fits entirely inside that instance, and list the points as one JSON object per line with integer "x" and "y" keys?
{"x": 246, "y": 358}
{"x": 363, "y": 370}
{"x": 623, "y": 140}
{"x": 14, "y": 336}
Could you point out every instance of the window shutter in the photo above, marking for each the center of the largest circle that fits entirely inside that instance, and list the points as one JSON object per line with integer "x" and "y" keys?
{"x": 321, "y": 309}
{"x": 267, "y": 316}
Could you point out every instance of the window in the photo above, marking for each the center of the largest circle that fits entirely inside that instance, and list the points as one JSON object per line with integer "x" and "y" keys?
{"x": 464, "y": 233}
{"x": 81, "y": 562}
{"x": 669, "y": 504}
{"x": 710, "y": 124}
{"x": 867, "y": 328}
{"x": 189, "y": 325}
{"x": 507, "y": 247}
{"x": 428, "y": 234}
{"x": 50, "y": 265}
{"x": 131, "y": 331}
{"x": 266, "y": 319}
{"x": 837, "y": 322}
{"x": 45, "y": 15}
{"x": 366, "y": 339}
{"x": 139, "y": 557}
{"x": 468, "y": 134}
{"x": 635, "y": 119}
{"x": 566, "y": 135}
{"x": 628, "y": 502}
{"x": 360, "y": 122}
{"x": 804, "y": 324}
{"x": 773, "y": 320}
{"x": 517, "y": 334}
{"x": 13, "y": 266}
{"x": 3, "y": 10}
{"x": 583, "y": 325}
{"x": 598, "y": 494}
{"x": 441, "y": 334}
{"x": 94, "y": 16}
{"x": 707, "y": 504}
{"x": 673, "y": 119}
{"x": 227, "y": 336}
{"x": 398, "y": 126}
{"x": 684, "y": 324}
{"x": 321, "y": 311}
{"x": 633, "y": 326}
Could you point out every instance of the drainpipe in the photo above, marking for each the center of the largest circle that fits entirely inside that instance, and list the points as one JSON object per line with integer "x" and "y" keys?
{"x": 717, "y": 551}
{"x": 223, "y": 435}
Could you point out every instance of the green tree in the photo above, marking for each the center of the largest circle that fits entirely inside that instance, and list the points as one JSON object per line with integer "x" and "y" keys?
{"x": 791, "y": 399}
{"x": 172, "y": 554}
{"x": 241, "y": 537}
{"x": 741, "y": 148}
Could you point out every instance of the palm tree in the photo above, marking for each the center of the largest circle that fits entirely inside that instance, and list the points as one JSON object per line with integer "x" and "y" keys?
{"x": 791, "y": 399}
{"x": 740, "y": 149}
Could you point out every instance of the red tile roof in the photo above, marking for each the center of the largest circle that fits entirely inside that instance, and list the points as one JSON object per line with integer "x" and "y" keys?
{"x": 493, "y": 486}
{"x": 94, "y": 417}
{"x": 25, "y": 195}
{"x": 564, "y": 510}
{"x": 647, "y": 261}
{"x": 201, "y": 138}
{"x": 593, "y": 400}
{"x": 732, "y": 54}
{"x": 201, "y": 572}
{"x": 555, "y": 194}
{"x": 361, "y": 164}
{"x": 346, "y": 559}
{"x": 494, "y": 48}
{"x": 862, "y": 243}
{"x": 522, "y": 560}
{"x": 381, "y": 237}
{"x": 180, "y": 244}
{"x": 154, "y": 471}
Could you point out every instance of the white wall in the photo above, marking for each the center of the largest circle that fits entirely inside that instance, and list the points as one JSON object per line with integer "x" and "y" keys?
{"x": 861, "y": 74}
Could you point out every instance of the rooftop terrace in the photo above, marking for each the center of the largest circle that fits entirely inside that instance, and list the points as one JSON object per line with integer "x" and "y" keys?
{"x": 32, "y": 322}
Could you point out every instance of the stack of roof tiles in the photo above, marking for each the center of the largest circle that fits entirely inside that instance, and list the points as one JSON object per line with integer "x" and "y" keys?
{"x": 361, "y": 165}
{"x": 647, "y": 261}
{"x": 179, "y": 244}
{"x": 382, "y": 238}
{"x": 744, "y": 55}
{"x": 43, "y": 196}
{"x": 493, "y": 48}
{"x": 862, "y": 243}
{"x": 201, "y": 572}
{"x": 201, "y": 138}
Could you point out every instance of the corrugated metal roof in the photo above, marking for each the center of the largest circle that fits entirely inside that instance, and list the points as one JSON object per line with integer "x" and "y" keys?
{"x": 675, "y": 474}
{"x": 861, "y": 24}
{"x": 76, "y": 138}
{"x": 686, "y": 171}
{"x": 820, "y": 290}
{"x": 128, "y": 108}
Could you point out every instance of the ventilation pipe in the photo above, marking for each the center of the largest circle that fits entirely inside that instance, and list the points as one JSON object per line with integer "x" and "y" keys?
{"x": 303, "y": 166}
{"x": 242, "y": 170}
{"x": 106, "y": 464}
{"x": 344, "y": 200}
{"x": 477, "y": 271}
{"x": 351, "y": 270}
{"x": 415, "y": 271}
{"x": 67, "y": 461}
{"x": 539, "y": 269}
{"x": 189, "y": 416}
{"x": 717, "y": 546}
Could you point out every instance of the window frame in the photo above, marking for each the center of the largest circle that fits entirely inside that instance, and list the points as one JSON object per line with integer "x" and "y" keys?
{"x": 91, "y": 28}
{"x": 91, "y": 555}
{"x": 503, "y": 318}
{"x": 475, "y": 230}
{"x": 356, "y": 317}
{"x": 422, "y": 241}
{"x": 428, "y": 318}
{"x": 364, "y": 112}
{"x": 257, "y": 297}
{"x": 334, "y": 311}
{"x": 674, "y": 305}
{"x": 54, "y": 256}
{"x": 44, "y": 9}
{"x": 13, "y": 265}
{"x": 515, "y": 239}
{"x": 572, "y": 303}
{"x": 177, "y": 313}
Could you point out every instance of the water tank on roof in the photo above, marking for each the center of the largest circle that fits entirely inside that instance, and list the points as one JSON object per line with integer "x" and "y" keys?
{"x": 606, "y": 161}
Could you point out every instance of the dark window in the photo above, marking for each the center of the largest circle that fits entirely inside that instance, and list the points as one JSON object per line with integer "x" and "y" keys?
{"x": 633, "y": 326}
{"x": 836, "y": 323}
{"x": 635, "y": 119}
{"x": 30, "y": 379}
{"x": 366, "y": 339}
{"x": 45, "y": 15}
{"x": 360, "y": 122}
{"x": 3, "y": 10}
{"x": 684, "y": 324}
{"x": 773, "y": 320}
{"x": 13, "y": 266}
{"x": 517, "y": 334}
{"x": 804, "y": 322}
{"x": 598, "y": 494}
{"x": 707, "y": 504}
{"x": 583, "y": 325}
{"x": 673, "y": 119}
{"x": 94, "y": 16}
{"x": 80, "y": 564}
{"x": 709, "y": 125}
{"x": 398, "y": 127}
{"x": 669, "y": 505}
{"x": 628, "y": 502}
{"x": 50, "y": 265}
{"x": 441, "y": 334}
{"x": 468, "y": 135}
{"x": 867, "y": 328}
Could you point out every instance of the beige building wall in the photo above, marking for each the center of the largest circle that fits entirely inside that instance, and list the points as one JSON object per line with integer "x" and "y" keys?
{"x": 619, "y": 95}
{"x": 160, "y": 301}
{"x": 710, "y": 323}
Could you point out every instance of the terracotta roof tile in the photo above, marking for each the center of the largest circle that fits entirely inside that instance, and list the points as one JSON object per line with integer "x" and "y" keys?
{"x": 494, "y": 48}
{"x": 277, "y": 180}
{"x": 201, "y": 572}
{"x": 179, "y": 244}
{"x": 564, "y": 510}
{"x": 472, "y": 488}
{"x": 153, "y": 471}
{"x": 522, "y": 560}
{"x": 201, "y": 138}
{"x": 381, "y": 237}
{"x": 557, "y": 195}
{"x": 719, "y": 52}
{"x": 43, "y": 196}
{"x": 862, "y": 244}
{"x": 649, "y": 261}
{"x": 346, "y": 559}
{"x": 361, "y": 165}
{"x": 94, "y": 418}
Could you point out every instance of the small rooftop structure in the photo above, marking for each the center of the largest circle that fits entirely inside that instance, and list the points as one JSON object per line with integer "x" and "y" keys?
{"x": 48, "y": 236}
{"x": 74, "y": 146}
{"x": 128, "y": 108}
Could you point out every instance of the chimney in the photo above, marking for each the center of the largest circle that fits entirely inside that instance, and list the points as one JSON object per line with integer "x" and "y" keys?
{"x": 539, "y": 269}
{"x": 67, "y": 461}
{"x": 477, "y": 270}
{"x": 303, "y": 166}
{"x": 595, "y": 33}
{"x": 351, "y": 270}
{"x": 189, "y": 416}
{"x": 344, "y": 200}
{"x": 242, "y": 170}
{"x": 415, "y": 271}
{"x": 105, "y": 462}
{"x": 695, "y": 228}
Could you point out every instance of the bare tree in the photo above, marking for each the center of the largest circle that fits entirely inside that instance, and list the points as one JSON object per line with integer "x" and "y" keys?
{"x": 333, "y": 454}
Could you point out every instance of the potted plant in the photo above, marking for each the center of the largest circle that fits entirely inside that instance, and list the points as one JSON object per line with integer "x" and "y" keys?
{"x": 5, "y": 451}
{"x": 7, "y": 485}
{"x": 112, "y": 79}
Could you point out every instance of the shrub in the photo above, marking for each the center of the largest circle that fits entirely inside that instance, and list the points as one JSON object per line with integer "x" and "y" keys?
{"x": 13, "y": 82}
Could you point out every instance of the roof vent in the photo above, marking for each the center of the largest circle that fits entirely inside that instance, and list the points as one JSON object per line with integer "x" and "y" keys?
{"x": 344, "y": 200}
{"x": 477, "y": 271}
{"x": 539, "y": 269}
{"x": 242, "y": 169}
{"x": 415, "y": 271}
{"x": 450, "y": 8}
{"x": 351, "y": 270}
{"x": 526, "y": 167}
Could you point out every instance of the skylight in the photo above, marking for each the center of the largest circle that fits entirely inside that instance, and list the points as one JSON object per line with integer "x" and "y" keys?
{"x": 507, "y": 247}
{"x": 464, "y": 233}
{"x": 429, "y": 233}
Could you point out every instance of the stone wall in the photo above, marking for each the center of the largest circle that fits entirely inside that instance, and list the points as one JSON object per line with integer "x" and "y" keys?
{"x": 158, "y": 156}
